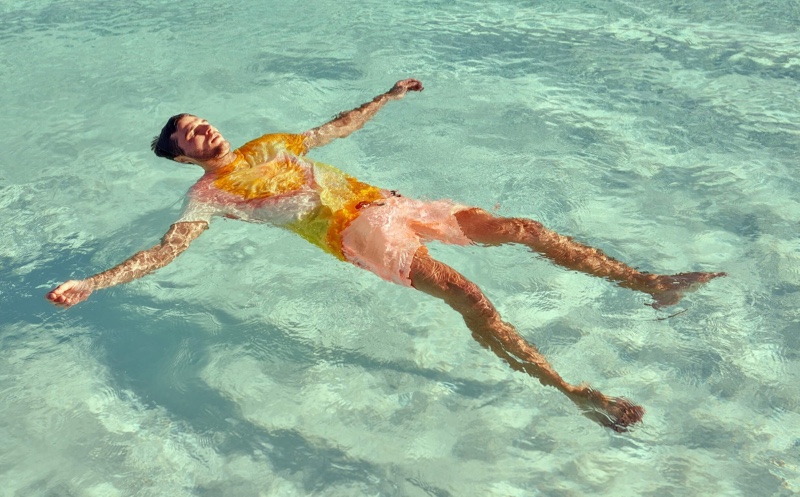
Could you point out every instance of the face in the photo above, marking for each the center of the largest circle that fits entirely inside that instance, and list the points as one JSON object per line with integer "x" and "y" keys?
{"x": 199, "y": 140}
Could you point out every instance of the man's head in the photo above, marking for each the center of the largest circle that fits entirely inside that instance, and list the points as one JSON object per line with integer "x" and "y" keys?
{"x": 187, "y": 138}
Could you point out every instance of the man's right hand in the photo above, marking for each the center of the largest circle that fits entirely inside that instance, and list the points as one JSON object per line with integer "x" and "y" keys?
{"x": 175, "y": 241}
{"x": 70, "y": 293}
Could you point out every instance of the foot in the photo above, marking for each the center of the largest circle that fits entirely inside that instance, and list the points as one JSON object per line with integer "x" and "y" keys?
{"x": 669, "y": 289}
{"x": 617, "y": 413}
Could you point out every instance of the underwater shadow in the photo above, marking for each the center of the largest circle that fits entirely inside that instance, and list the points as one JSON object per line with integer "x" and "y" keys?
{"x": 121, "y": 340}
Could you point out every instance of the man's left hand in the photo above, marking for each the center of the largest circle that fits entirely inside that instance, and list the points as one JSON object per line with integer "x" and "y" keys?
{"x": 400, "y": 88}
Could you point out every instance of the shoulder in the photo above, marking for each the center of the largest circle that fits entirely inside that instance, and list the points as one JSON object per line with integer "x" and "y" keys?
{"x": 198, "y": 204}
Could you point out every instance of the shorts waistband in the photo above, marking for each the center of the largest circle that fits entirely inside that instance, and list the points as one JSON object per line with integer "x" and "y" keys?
{"x": 378, "y": 203}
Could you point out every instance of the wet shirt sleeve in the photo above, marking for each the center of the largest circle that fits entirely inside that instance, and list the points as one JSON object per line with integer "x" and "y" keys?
{"x": 196, "y": 210}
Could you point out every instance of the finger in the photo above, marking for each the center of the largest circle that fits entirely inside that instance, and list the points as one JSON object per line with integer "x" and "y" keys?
{"x": 55, "y": 299}
{"x": 60, "y": 299}
{"x": 66, "y": 301}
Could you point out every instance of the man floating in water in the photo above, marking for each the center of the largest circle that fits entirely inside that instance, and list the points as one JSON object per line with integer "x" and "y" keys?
{"x": 270, "y": 179}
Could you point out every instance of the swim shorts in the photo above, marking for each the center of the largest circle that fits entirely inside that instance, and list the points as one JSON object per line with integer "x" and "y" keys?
{"x": 387, "y": 234}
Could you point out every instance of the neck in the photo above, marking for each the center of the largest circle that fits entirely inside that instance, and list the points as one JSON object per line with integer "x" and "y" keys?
{"x": 212, "y": 165}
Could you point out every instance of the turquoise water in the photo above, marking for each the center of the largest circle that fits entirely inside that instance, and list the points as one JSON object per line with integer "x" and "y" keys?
{"x": 665, "y": 133}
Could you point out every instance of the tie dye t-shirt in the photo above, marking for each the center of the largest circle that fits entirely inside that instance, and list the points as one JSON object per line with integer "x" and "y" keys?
{"x": 271, "y": 181}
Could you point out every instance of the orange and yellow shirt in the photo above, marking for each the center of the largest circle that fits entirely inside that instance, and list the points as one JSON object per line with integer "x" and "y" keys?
{"x": 271, "y": 181}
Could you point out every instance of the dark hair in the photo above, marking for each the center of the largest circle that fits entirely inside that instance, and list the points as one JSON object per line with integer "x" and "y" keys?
{"x": 164, "y": 145}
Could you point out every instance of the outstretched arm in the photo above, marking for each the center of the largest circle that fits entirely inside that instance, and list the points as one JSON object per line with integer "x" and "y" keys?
{"x": 175, "y": 241}
{"x": 347, "y": 122}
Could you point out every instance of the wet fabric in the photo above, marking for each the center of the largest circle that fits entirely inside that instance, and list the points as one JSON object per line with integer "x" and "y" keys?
{"x": 385, "y": 237}
{"x": 271, "y": 181}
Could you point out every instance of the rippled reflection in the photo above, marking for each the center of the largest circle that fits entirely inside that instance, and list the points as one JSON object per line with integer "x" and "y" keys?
{"x": 662, "y": 132}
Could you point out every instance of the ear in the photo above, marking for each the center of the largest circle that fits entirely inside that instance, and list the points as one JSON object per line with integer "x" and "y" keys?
{"x": 184, "y": 159}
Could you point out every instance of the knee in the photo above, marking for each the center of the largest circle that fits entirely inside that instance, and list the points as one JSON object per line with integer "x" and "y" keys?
{"x": 470, "y": 298}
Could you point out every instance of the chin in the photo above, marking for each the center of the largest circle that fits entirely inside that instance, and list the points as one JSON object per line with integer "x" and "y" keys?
{"x": 218, "y": 151}
{"x": 222, "y": 149}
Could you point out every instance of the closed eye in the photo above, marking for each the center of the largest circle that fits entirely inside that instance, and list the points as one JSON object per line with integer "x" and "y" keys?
{"x": 190, "y": 134}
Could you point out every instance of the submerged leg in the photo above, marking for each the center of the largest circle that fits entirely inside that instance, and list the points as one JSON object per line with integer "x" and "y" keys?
{"x": 482, "y": 227}
{"x": 444, "y": 282}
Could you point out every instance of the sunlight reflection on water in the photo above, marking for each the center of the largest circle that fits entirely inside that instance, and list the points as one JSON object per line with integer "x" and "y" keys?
{"x": 663, "y": 133}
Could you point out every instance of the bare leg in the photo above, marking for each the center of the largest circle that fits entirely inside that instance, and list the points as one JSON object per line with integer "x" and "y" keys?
{"x": 444, "y": 282}
{"x": 482, "y": 227}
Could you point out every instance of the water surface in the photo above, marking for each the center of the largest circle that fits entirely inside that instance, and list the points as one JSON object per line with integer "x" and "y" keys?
{"x": 665, "y": 133}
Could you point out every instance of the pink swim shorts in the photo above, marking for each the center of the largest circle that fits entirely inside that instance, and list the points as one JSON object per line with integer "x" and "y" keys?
{"x": 385, "y": 237}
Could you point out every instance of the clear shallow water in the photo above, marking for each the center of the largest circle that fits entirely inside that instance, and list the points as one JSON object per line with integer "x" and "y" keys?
{"x": 665, "y": 133}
